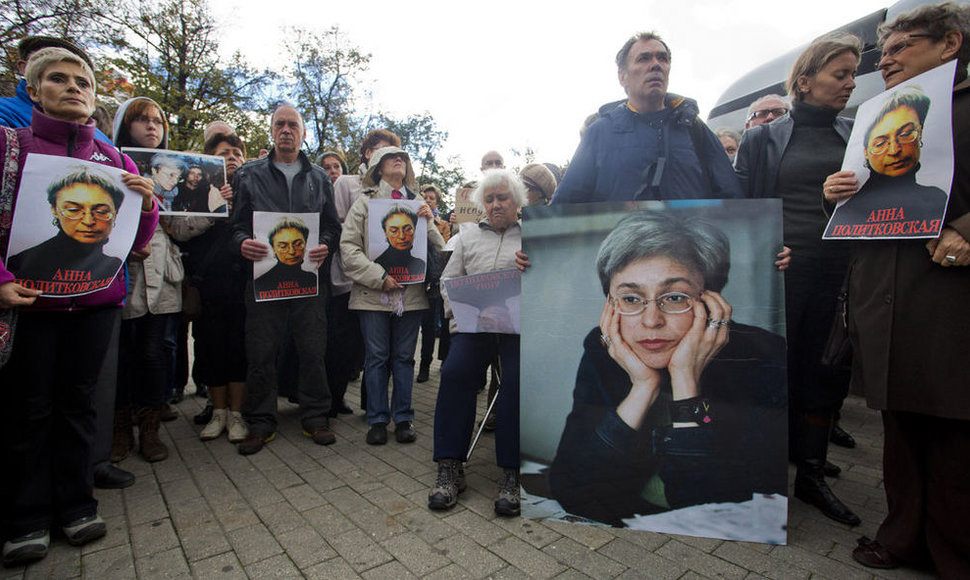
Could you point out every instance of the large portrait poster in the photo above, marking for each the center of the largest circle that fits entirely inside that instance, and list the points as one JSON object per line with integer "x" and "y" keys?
{"x": 184, "y": 182}
{"x": 397, "y": 238}
{"x": 287, "y": 272}
{"x": 674, "y": 419}
{"x": 73, "y": 225}
{"x": 487, "y": 302}
{"x": 901, "y": 150}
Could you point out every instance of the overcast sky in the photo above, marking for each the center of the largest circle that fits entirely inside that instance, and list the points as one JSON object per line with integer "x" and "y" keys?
{"x": 505, "y": 75}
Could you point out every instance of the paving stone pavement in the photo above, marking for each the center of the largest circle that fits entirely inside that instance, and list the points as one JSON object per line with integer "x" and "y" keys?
{"x": 351, "y": 510}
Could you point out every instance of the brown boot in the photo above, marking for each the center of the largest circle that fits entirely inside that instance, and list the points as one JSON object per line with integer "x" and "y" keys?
{"x": 123, "y": 438}
{"x": 149, "y": 444}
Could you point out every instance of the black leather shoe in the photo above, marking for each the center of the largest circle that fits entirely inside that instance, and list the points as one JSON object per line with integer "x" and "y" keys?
{"x": 404, "y": 432}
{"x": 841, "y": 437}
{"x": 812, "y": 489}
{"x": 831, "y": 470}
{"x": 344, "y": 409}
{"x": 424, "y": 373}
{"x": 204, "y": 417}
{"x": 108, "y": 476}
{"x": 377, "y": 434}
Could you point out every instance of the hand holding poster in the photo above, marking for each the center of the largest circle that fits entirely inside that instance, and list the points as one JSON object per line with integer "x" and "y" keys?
{"x": 184, "y": 182}
{"x": 398, "y": 238}
{"x": 901, "y": 150}
{"x": 73, "y": 226}
{"x": 487, "y": 302}
{"x": 287, "y": 272}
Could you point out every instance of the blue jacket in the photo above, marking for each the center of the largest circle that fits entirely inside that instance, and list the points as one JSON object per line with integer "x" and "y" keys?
{"x": 669, "y": 154}
{"x": 16, "y": 111}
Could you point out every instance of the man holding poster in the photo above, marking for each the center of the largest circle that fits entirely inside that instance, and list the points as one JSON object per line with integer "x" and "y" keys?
{"x": 284, "y": 181}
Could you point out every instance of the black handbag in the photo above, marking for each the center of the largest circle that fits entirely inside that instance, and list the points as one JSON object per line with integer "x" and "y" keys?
{"x": 838, "y": 346}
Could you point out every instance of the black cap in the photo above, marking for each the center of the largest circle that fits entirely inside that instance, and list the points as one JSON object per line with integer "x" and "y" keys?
{"x": 32, "y": 44}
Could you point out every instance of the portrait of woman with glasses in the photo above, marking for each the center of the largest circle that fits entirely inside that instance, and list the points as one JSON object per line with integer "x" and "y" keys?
{"x": 675, "y": 404}
{"x": 893, "y": 144}
{"x": 84, "y": 205}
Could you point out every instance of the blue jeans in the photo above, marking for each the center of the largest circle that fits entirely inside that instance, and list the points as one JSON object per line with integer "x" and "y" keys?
{"x": 389, "y": 343}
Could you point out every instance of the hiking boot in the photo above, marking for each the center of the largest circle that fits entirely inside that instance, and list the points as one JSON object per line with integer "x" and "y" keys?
{"x": 450, "y": 482}
{"x": 216, "y": 426}
{"x": 254, "y": 442}
{"x": 508, "y": 503}
{"x": 149, "y": 443}
{"x": 85, "y": 530}
{"x": 238, "y": 430}
{"x": 26, "y": 548}
{"x": 123, "y": 436}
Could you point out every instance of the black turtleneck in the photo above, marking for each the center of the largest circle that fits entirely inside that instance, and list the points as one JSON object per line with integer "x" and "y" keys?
{"x": 814, "y": 152}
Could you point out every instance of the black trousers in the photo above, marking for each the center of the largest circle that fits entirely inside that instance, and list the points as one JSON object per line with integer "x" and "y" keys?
{"x": 49, "y": 418}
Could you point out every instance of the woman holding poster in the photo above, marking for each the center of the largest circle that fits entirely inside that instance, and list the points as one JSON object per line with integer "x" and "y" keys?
{"x": 908, "y": 320}
{"x": 59, "y": 343}
{"x": 389, "y": 312}
{"x": 485, "y": 247}
{"x": 675, "y": 404}
{"x": 789, "y": 158}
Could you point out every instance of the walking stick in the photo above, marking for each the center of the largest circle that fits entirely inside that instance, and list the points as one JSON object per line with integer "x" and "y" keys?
{"x": 498, "y": 373}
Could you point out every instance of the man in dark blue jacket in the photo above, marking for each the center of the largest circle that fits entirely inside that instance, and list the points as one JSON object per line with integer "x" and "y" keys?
{"x": 650, "y": 146}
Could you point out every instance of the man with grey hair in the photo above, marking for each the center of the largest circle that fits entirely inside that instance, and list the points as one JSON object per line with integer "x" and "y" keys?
{"x": 765, "y": 110}
{"x": 652, "y": 145}
{"x": 284, "y": 181}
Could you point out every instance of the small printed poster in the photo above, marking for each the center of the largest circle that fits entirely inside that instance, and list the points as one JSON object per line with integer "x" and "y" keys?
{"x": 465, "y": 209}
{"x": 397, "y": 238}
{"x": 901, "y": 150}
{"x": 487, "y": 302}
{"x": 287, "y": 272}
{"x": 73, "y": 225}
{"x": 184, "y": 182}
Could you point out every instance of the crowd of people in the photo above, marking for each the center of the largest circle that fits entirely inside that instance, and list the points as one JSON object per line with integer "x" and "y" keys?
{"x": 107, "y": 365}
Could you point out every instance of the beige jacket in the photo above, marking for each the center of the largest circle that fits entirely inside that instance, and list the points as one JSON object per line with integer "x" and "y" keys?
{"x": 155, "y": 284}
{"x": 367, "y": 275}
{"x": 480, "y": 248}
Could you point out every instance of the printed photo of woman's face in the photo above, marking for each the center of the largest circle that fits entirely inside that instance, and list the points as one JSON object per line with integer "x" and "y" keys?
{"x": 894, "y": 142}
{"x": 289, "y": 245}
{"x": 85, "y": 213}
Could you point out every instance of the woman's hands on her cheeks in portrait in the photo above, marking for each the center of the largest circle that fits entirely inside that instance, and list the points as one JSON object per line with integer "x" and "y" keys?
{"x": 226, "y": 192}
{"x": 142, "y": 186}
{"x": 425, "y": 211}
{"x": 708, "y": 334}
{"x": 784, "y": 258}
{"x": 522, "y": 262}
{"x": 646, "y": 381}
{"x": 839, "y": 186}
{"x": 13, "y": 294}
{"x": 950, "y": 249}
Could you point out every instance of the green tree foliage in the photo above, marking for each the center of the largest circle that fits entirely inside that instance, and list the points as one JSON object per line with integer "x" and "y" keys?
{"x": 323, "y": 68}
{"x": 422, "y": 139}
{"x": 170, "y": 52}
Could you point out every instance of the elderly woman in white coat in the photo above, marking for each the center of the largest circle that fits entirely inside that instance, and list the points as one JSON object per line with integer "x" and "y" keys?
{"x": 486, "y": 246}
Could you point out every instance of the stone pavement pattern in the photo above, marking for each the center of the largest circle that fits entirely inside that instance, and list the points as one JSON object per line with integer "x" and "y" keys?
{"x": 355, "y": 511}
